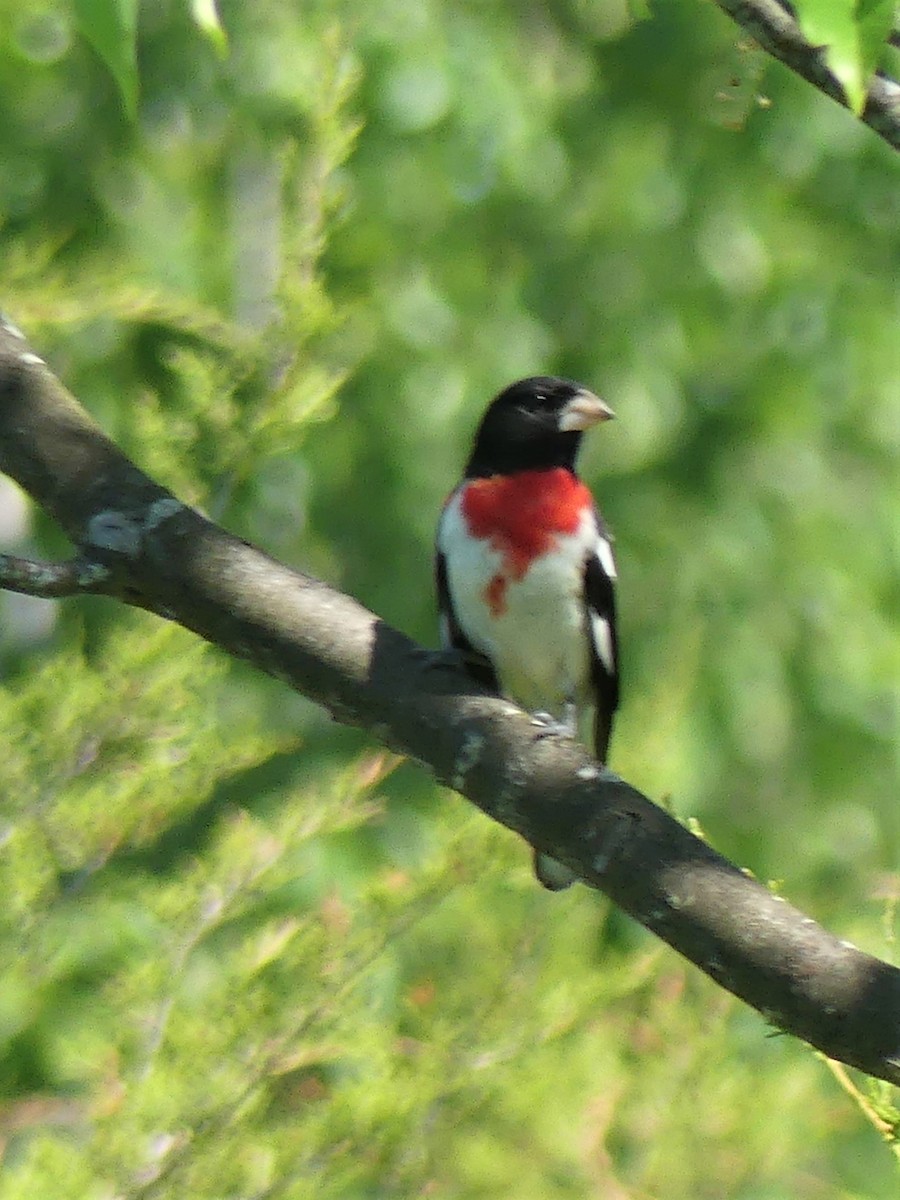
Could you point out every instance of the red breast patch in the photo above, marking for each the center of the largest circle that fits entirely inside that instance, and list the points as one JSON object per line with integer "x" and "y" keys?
{"x": 521, "y": 516}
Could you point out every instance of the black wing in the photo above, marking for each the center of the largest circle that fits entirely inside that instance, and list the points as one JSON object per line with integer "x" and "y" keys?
{"x": 453, "y": 638}
{"x": 600, "y": 598}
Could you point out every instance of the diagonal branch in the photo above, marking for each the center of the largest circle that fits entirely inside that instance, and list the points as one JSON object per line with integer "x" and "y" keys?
{"x": 163, "y": 556}
{"x": 772, "y": 25}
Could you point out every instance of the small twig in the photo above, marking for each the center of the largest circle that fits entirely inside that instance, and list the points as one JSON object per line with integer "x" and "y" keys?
{"x": 839, "y": 1071}
{"x": 52, "y": 580}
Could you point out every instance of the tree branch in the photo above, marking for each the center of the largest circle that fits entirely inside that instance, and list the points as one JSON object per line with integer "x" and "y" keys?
{"x": 51, "y": 580}
{"x": 157, "y": 553}
{"x": 772, "y": 25}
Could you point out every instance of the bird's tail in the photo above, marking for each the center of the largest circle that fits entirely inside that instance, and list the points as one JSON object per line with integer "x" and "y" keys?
{"x": 603, "y": 723}
{"x": 552, "y": 874}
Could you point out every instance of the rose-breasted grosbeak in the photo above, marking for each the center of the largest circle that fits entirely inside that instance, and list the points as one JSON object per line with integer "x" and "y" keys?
{"x": 525, "y": 569}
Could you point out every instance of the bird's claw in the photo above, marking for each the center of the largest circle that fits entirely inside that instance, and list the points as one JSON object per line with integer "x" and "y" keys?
{"x": 549, "y": 726}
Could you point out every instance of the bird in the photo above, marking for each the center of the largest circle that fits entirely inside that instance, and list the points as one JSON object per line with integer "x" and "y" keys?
{"x": 525, "y": 573}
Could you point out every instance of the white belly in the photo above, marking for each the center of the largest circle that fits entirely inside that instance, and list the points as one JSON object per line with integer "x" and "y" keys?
{"x": 534, "y": 632}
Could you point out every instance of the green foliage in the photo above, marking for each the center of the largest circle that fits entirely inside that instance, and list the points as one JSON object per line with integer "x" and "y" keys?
{"x": 853, "y": 34}
{"x": 247, "y": 954}
{"x": 111, "y": 28}
{"x": 209, "y": 22}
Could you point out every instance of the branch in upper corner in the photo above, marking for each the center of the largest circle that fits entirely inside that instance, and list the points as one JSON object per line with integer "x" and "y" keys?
{"x": 52, "y": 580}
{"x": 774, "y": 28}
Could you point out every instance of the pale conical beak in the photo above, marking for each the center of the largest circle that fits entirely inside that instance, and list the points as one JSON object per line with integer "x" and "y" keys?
{"x": 582, "y": 411}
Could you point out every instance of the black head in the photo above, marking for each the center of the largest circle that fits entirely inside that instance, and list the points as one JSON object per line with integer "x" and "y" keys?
{"x": 534, "y": 424}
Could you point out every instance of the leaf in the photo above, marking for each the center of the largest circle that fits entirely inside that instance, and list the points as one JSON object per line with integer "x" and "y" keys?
{"x": 206, "y": 18}
{"x": 875, "y": 22}
{"x": 853, "y": 34}
{"x": 111, "y": 28}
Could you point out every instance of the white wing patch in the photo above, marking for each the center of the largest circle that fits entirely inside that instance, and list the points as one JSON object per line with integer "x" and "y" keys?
{"x": 605, "y": 555}
{"x": 603, "y": 643}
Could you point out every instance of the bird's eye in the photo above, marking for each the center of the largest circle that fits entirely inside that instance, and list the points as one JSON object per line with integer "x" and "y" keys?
{"x": 533, "y": 408}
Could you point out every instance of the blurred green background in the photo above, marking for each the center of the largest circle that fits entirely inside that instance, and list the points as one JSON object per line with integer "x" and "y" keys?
{"x": 246, "y": 953}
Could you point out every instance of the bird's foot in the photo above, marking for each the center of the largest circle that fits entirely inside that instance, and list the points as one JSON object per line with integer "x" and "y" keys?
{"x": 550, "y": 726}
